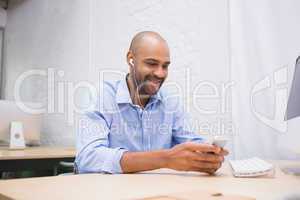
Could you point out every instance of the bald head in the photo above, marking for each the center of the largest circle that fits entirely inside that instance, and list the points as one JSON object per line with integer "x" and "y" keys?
{"x": 148, "y": 58}
{"x": 146, "y": 39}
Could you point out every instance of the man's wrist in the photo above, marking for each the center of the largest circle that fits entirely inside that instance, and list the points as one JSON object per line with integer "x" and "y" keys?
{"x": 164, "y": 158}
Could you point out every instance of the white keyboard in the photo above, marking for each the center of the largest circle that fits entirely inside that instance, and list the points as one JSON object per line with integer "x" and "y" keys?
{"x": 252, "y": 167}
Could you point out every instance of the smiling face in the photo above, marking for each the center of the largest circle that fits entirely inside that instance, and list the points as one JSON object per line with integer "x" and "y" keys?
{"x": 150, "y": 58}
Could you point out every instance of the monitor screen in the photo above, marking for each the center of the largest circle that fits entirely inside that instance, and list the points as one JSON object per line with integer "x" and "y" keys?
{"x": 293, "y": 107}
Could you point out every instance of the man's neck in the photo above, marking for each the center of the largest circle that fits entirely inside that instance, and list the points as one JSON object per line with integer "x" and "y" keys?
{"x": 136, "y": 97}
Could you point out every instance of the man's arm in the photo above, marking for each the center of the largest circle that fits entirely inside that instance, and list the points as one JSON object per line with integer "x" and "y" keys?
{"x": 143, "y": 161}
{"x": 189, "y": 156}
{"x": 93, "y": 153}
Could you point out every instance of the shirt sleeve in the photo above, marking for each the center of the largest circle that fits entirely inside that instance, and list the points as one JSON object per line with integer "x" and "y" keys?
{"x": 93, "y": 152}
{"x": 182, "y": 129}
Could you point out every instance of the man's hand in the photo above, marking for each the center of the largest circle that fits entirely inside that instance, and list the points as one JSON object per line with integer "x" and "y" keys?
{"x": 187, "y": 156}
{"x": 192, "y": 156}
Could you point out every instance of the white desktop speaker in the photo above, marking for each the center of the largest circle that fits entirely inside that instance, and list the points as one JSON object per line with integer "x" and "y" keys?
{"x": 16, "y": 136}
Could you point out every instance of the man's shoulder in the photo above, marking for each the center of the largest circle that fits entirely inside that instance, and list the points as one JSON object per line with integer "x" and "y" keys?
{"x": 106, "y": 98}
{"x": 111, "y": 85}
{"x": 109, "y": 88}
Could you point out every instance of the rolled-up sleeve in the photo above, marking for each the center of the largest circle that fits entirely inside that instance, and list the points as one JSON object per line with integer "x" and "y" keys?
{"x": 93, "y": 152}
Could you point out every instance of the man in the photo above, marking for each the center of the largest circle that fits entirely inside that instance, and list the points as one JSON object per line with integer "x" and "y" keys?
{"x": 137, "y": 127}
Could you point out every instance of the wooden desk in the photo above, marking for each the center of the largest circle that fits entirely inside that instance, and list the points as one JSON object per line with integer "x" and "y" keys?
{"x": 34, "y": 158}
{"x": 157, "y": 182}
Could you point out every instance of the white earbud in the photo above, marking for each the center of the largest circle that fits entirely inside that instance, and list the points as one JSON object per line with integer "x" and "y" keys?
{"x": 131, "y": 61}
{"x": 135, "y": 81}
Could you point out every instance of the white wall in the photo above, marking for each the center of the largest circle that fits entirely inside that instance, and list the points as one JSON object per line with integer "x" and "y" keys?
{"x": 265, "y": 44}
{"x": 83, "y": 37}
{"x": 41, "y": 35}
{"x": 2, "y": 17}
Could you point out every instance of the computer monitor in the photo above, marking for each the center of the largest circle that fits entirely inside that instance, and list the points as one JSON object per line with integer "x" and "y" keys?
{"x": 9, "y": 111}
{"x": 293, "y": 107}
{"x": 293, "y": 110}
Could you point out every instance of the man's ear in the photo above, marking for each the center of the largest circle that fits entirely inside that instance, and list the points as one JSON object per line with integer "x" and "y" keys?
{"x": 130, "y": 59}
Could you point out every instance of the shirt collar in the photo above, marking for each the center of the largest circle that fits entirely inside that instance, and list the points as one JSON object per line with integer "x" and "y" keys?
{"x": 123, "y": 95}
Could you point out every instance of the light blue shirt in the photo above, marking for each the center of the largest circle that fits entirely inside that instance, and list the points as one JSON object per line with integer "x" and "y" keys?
{"x": 116, "y": 125}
